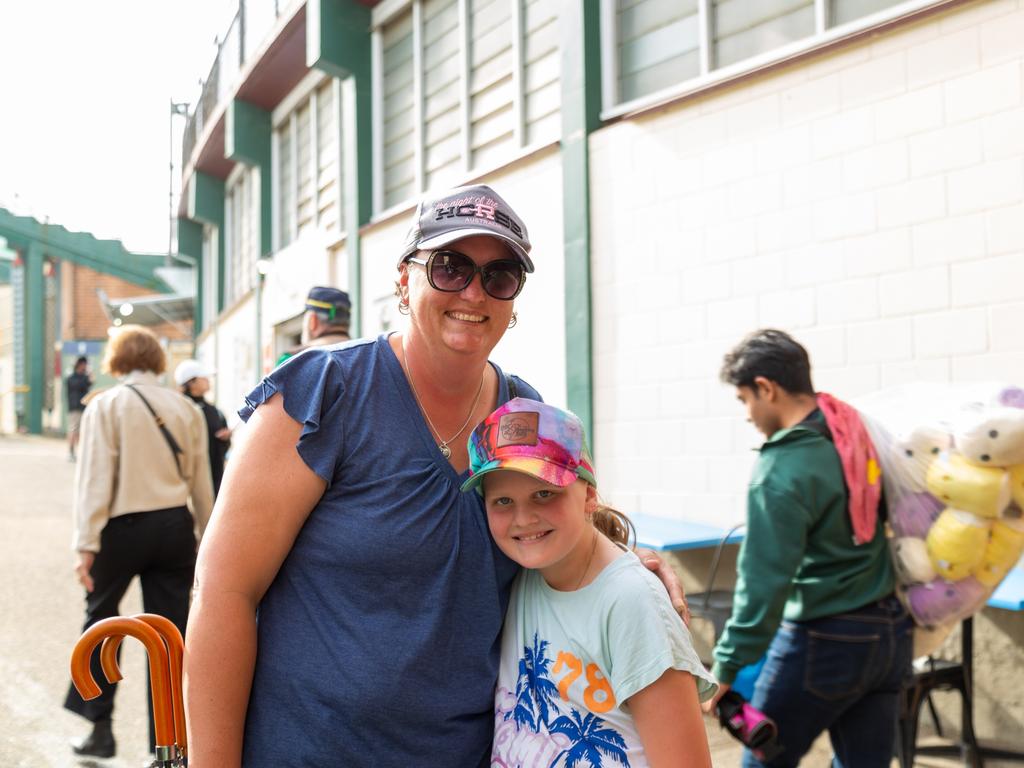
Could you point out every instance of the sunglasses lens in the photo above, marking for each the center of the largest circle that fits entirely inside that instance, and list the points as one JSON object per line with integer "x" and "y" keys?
{"x": 451, "y": 271}
{"x": 502, "y": 279}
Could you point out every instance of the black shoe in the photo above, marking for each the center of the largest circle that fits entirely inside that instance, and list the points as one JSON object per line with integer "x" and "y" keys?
{"x": 99, "y": 743}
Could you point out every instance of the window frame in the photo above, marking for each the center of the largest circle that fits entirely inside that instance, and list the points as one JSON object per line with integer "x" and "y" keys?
{"x": 823, "y": 37}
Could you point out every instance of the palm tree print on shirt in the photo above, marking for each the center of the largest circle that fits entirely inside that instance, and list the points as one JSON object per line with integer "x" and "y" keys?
{"x": 536, "y": 695}
{"x": 535, "y": 691}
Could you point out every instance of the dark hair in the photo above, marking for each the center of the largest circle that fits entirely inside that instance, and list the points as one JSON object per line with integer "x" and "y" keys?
{"x": 613, "y": 524}
{"x": 773, "y": 354}
{"x": 82, "y": 360}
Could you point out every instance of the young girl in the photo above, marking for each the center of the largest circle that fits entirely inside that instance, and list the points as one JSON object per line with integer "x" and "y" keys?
{"x": 596, "y": 667}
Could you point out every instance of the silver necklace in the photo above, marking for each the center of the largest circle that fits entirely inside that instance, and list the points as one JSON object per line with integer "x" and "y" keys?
{"x": 443, "y": 444}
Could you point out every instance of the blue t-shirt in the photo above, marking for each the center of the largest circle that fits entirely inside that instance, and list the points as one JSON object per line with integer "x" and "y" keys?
{"x": 379, "y": 638}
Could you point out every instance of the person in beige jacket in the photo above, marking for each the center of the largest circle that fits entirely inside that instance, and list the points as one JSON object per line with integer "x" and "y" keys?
{"x": 133, "y": 488}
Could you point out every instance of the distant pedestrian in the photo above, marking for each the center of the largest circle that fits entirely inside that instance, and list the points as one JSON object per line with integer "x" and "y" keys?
{"x": 325, "y": 321}
{"x": 193, "y": 378}
{"x": 77, "y": 384}
{"x": 143, "y": 459}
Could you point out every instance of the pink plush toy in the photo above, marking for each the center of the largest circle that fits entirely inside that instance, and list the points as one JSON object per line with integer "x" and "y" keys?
{"x": 940, "y": 601}
{"x": 914, "y": 513}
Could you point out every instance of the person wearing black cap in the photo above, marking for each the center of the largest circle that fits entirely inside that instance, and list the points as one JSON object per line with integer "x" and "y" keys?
{"x": 379, "y": 590}
{"x": 325, "y": 321}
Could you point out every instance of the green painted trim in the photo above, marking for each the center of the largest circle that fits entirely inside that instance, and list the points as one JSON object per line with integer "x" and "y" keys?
{"x": 35, "y": 325}
{"x": 206, "y": 205}
{"x": 190, "y": 243}
{"x": 109, "y": 257}
{"x": 338, "y": 42}
{"x": 247, "y": 140}
{"x": 206, "y": 199}
{"x": 580, "y": 113}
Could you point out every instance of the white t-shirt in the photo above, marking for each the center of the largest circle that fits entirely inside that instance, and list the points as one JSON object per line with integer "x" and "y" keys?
{"x": 569, "y": 661}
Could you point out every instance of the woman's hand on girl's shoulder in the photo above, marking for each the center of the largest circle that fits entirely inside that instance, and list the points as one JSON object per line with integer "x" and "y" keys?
{"x": 654, "y": 563}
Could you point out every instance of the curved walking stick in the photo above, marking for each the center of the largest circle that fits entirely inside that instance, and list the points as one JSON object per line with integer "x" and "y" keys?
{"x": 81, "y": 675}
{"x": 175, "y": 653}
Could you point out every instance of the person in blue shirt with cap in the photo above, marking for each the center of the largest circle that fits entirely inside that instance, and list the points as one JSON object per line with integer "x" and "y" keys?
{"x": 379, "y": 591}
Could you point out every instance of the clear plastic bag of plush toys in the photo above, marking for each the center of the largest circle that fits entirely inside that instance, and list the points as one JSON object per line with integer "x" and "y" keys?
{"x": 952, "y": 459}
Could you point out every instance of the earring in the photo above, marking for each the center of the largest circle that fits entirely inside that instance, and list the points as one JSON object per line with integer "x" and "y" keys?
{"x": 403, "y": 306}
{"x": 514, "y": 319}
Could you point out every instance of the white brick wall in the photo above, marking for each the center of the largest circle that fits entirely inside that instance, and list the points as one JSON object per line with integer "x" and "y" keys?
{"x": 871, "y": 200}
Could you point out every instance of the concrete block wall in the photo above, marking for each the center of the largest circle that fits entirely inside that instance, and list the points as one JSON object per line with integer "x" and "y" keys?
{"x": 868, "y": 199}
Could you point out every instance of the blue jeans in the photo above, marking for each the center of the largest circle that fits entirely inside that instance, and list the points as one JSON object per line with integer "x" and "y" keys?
{"x": 842, "y": 673}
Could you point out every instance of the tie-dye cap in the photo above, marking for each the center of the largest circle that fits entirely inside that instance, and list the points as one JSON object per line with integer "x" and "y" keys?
{"x": 530, "y": 437}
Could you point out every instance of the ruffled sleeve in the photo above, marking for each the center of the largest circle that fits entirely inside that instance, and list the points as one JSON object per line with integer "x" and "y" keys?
{"x": 312, "y": 386}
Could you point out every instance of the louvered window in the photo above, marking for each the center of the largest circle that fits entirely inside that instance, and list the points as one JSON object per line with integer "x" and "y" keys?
{"x": 210, "y": 261}
{"x": 844, "y": 11}
{"x": 309, "y": 191}
{"x": 242, "y": 242}
{"x": 745, "y": 28}
{"x": 541, "y": 72}
{"x": 328, "y": 158}
{"x": 399, "y": 119}
{"x": 461, "y": 85}
{"x": 285, "y": 185}
{"x": 660, "y": 46}
{"x": 491, "y": 85}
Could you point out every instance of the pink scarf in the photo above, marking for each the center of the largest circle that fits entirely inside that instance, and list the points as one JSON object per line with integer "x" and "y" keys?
{"x": 861, "y": 469}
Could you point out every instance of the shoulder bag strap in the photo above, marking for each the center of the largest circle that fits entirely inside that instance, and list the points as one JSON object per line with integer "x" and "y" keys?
{"x": 171, "y": 442}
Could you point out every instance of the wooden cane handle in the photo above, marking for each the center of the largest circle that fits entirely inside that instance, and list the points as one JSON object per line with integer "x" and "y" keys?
{"x": 81, "y": 675}
{"x": 175, "y": 656}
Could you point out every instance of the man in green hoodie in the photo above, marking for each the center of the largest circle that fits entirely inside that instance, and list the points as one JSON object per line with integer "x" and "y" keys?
{"x": 821, "y": 604}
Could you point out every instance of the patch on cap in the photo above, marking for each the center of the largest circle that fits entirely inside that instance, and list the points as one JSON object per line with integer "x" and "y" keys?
{"x": 519, "y": 428}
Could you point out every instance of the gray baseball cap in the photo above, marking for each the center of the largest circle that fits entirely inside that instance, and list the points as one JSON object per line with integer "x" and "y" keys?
{"x": 465, "y": 212}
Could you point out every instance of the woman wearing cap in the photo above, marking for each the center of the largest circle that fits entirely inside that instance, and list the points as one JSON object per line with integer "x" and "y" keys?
{"x": 193, "y": 379}
{"x": 131, "y": 491}
{"x": 379, "y": 590}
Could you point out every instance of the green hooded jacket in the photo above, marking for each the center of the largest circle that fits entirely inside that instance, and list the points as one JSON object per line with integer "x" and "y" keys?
{"x": 798, "y": 560}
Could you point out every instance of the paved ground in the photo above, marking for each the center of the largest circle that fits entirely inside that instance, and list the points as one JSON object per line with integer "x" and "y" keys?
{"x": 42, "y": 608}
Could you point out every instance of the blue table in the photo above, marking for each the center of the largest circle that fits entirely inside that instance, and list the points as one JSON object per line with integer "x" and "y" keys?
{"x": 667, "y": 535}
{"x": 1010, "y": 594}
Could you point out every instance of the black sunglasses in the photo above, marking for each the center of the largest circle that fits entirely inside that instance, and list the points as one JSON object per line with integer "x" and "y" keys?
{"x": 451, "y": 272}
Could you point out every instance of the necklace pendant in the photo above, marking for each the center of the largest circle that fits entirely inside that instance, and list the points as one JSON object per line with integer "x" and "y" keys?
{"x": 445, "y": 450}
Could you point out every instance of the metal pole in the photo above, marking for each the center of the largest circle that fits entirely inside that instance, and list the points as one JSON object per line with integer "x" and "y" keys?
{"x": 170, "y": 185}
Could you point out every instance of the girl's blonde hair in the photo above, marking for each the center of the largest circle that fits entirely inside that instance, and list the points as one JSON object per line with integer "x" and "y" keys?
{"x": 614, "y": 524}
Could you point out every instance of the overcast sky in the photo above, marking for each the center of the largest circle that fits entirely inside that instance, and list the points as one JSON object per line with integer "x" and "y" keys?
{"x": 85, "y": 90}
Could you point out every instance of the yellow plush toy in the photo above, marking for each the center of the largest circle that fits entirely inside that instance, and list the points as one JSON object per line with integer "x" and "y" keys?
{"x": 956, "y": 543}
{"x": 1017, "y": 484}
{"x": 1005, "y": 545}
{"x": 983, "y": 491}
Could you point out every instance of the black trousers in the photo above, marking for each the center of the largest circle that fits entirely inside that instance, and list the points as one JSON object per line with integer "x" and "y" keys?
{"x": 159, "y": 547}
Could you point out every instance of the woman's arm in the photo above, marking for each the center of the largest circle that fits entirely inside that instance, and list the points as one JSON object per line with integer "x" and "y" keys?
{"x": 268, "y": 493}
{"x": 668, "y": 719}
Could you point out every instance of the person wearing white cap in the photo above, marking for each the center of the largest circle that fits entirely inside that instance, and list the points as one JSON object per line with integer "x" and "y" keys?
{"x": 193, "y": 379}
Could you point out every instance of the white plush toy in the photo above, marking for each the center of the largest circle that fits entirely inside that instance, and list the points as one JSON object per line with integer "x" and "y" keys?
{"x": 910, "y": 556}
{"x": 991, "y": 436}
{"x": 912, "y": 453}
